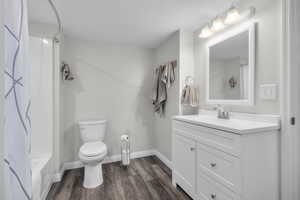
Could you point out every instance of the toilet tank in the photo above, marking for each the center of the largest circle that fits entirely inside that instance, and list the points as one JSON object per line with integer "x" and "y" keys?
{"x": 92, "y": 130}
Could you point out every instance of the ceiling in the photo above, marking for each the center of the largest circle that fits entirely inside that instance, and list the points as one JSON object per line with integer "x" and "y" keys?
{"x": 134, "y": 22}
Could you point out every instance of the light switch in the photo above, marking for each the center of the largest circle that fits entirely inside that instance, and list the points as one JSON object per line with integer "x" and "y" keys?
{"x": 268, "y": 92}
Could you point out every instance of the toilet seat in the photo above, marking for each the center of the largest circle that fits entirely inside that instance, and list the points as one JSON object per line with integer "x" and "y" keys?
{"x": 93, "y": 149}
{"x": 91, "y": 152}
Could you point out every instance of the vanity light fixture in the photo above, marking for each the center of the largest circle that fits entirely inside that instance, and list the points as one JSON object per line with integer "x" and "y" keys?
{"x": 231, "y": 16}
{"x": 206, "y": 32}
{"x": 218, "y": 24}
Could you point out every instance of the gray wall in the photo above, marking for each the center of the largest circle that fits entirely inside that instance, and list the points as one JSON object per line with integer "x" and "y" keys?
{"x": 115, "y": 83}
{"x": 268, "y": 54}
{"x": 178, "y": 46}
{"x": 112, "y": 82}
{"x": 167, "y": 51}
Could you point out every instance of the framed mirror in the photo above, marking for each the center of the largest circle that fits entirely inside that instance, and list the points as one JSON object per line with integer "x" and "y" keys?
{"x": 231, "y": 66}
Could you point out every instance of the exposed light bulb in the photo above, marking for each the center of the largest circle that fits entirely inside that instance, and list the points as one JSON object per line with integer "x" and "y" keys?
{"x": 205, "y": 32}
{"x": 218, "y": 24}
{"x": 232, "y": 16}
{"x": 45, "y": 41}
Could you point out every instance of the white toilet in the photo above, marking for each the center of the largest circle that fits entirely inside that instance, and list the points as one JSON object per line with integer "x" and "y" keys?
{"x": 93, "y": 151}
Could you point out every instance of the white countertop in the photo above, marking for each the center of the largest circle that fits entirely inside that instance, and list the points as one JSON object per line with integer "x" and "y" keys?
{"x": 234, "y": 124}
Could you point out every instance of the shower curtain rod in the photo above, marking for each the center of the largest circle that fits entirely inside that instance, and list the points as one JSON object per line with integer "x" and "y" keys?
{"x": 56, "y": 39}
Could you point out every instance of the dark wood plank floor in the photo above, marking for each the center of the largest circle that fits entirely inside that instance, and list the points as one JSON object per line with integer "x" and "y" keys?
{"x": 145, "y": 179}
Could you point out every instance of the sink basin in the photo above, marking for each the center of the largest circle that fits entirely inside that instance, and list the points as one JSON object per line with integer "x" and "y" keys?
{"x": 239, "y": 124}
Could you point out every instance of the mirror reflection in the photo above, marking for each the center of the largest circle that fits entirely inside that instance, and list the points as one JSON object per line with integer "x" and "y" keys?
{"x": 229, "y": 68}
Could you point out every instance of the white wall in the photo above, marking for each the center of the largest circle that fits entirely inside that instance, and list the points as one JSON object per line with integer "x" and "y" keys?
{"x": 41, "y": 60}
{"x": 268, "y": 54}
{"x": 113, "y": 83}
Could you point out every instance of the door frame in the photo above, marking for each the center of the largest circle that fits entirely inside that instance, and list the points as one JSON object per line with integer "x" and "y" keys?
{"x": 289, "y": 108}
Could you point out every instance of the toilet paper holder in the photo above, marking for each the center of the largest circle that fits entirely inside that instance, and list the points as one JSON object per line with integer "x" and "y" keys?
{"x": 125, "y": 150}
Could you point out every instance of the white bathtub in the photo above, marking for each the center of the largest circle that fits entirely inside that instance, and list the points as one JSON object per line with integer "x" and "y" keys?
{"x": 37, "y": 166}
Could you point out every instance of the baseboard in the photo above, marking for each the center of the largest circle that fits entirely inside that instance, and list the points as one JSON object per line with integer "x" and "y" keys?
{"x": 138, "y": 154}
{"x": 57, "y": 177}
{"x": 163, "y": 158}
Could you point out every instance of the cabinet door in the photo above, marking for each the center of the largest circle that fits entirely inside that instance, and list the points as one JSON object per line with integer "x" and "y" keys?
{"x": 184, "y": 155}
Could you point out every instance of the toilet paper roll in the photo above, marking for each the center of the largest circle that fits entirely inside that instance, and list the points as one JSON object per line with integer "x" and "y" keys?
{"x": 124, "y": 137}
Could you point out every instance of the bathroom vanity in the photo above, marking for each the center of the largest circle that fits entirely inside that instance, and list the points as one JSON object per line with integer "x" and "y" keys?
{"x": 227, "y": 159}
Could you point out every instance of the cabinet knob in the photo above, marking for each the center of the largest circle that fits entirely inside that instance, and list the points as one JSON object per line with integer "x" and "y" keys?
{"x": 192, "y": 149}
{"x": 213, "y": 196}
{"x": 213, "y": 164}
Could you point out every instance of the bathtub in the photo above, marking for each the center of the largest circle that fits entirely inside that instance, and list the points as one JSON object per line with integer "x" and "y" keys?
{"x": 38, "y": 166}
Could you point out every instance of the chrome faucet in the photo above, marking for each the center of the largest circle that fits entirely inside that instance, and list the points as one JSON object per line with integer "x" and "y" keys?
{"x": 222, "y": 114}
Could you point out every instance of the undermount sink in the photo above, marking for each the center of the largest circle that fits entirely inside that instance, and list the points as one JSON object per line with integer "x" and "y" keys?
{"x": 239, "y": 123}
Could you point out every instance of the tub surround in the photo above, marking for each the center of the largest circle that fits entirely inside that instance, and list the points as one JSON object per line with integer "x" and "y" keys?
{"x": 40, "y": 181}
{"x": 42, "y": 104}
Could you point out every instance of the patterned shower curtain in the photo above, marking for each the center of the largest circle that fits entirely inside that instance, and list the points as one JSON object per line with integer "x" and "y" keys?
{"x": 17, "y": 102}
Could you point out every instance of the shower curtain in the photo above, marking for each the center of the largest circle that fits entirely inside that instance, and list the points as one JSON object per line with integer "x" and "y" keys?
{"x": 17, "y": 102}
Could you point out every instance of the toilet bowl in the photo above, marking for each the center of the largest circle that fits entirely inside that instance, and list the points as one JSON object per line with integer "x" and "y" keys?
{"x": 92, "y": 152}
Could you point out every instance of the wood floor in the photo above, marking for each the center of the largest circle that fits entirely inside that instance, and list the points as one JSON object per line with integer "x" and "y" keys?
{"x": 145, "y": 179}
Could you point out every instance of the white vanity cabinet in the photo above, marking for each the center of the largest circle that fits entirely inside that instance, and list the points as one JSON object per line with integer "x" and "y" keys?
{"x": 216, "y": 159}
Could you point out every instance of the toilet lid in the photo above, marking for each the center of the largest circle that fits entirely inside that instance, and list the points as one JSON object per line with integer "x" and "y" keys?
{"x": 93, "y": 148}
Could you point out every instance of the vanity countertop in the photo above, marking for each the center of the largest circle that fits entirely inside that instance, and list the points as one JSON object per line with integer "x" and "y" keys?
{"x": 243, "y": 125}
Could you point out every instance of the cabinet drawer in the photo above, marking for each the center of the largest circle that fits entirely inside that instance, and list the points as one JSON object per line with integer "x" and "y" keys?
{"x": 220, "y": 166}
{"x": 209, "y": 190}
{"x": 222, "y": 140}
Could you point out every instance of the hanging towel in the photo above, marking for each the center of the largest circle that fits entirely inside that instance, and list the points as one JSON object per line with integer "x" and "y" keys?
{"x": 190, "y": 96}
{"x": 164, "y": 78}
{"x": 168, "y": 76}
{"x": 160, "y": 91}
